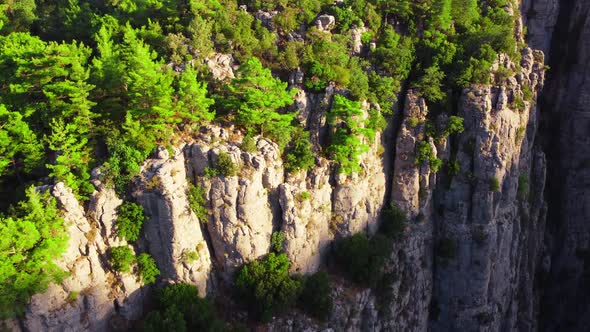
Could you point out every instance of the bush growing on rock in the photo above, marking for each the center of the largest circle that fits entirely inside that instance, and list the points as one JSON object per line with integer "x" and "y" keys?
{"x": 362, "y": 259}
{"x": 316, "y": 298}
{"x": 393, "y": 221}
{"x": 147, "y": 268}
{"x": 122, "y": 258}
{"x": 130, "y": 218}
{"x": 266, "y": 287}
{"x": 276, "y": 242}
{"x": 179, "y": 308}
{"x": 225, "y": 166}
{"x": 299, "y": 155}
{"x": 248, "y": 144}
{"x": 494, "y": 184}
{"x": 198, "y": 201}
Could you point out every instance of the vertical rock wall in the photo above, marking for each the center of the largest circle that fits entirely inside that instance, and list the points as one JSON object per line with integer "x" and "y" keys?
{"x": 565, "y": 136}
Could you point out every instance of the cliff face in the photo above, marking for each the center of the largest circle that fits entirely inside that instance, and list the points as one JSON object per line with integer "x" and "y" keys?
{"x": 499, "y": 244}
{"x": 491, "y": 213}
{"x": 565, "y": 132}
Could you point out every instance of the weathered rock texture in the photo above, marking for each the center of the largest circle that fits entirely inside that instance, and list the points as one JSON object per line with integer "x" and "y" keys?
{"x": 483, "y": 225}
{"x": 172, "y": 232}
{"x": 565, "y": 135}
{"x": 475, "y": 254}
{"x": 93, "y": 309}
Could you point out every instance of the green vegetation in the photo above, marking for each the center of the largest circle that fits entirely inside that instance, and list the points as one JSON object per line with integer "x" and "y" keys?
{"x": 425, "y": 154}
{"x": 362, "y": 259}
{"x": 122, "y": 258}
{"x": 346, "y": 145}
{"x": 299, "y": 155}
{"x": 130, "y": 218}
{"x": 225, "y": 165}
{"x": 276, "y": 242}
{"x": 303, "y": 196}
{"x": 178, "y": 307}
{"x": 73, "y": 297}
{"x": 33, "y": 235}
{"x": 255, "y": 97}
{"x": 315, "y": 298}
{"x": 494, "y": 184}
{"x": 265, "y": 286}
{"x": 190, "y": 256}
{"x": 147, "y": 268}
{"x": 393, "y": 221}
{"x": 198, "y": 201}
{"x": 103, "y": 83}
{"x": 523, "y": 186}
{"x": 248, "y": 144}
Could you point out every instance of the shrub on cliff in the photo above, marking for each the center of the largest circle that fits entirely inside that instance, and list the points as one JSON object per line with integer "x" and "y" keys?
{"x": 315, "y": 298}
{"x": 198, "y": 201}
{"x": 147, "y": 268}
{"x": 225, "y": 165}
{"x": 299, "y": 155}
{"x": 393, "y": 221}
{"x": 130, "y": 218}
{"x": 122, "y": 258}
{"x": 179, "y": 308}
{"x": 266, "y": 287}
{"x": 362, "y": 259}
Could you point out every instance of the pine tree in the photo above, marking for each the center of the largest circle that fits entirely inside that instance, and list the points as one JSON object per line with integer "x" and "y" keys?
{"x": 346, "y": 146}
{"x": 149, "y": 85}
{"x": 19, "y": 147}
{"x": 32, "y": 238}
{"x": 256, "y": 97}
{"x": 193, "y": 105}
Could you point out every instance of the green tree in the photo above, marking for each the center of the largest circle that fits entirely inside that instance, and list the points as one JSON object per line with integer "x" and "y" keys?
{"x": 19, "y": 147}
{"x": 179, "y": 308}
{"x": 316, "y": 298}
{"x": 149, "y": 87}
{"x": 32, "y": 238}
{"x": 193, "y": 105}
{"x": 256, "y": 97}
{"x": 346, "y": 147}
{"x": 299, "y": 155}
{"x": 19, "y": 15}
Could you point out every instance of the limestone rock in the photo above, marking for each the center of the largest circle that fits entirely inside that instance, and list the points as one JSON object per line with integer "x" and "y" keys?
{"x": 220, "y": 66}
{"x": 173, "y": 230}
{"x": 357, "y": 34}
{"x": 306, "y": 205}
{"x": 325, "y": 22}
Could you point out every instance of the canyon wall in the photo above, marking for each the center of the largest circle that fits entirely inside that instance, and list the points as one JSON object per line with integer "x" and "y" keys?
{"x": 499, "y": 243}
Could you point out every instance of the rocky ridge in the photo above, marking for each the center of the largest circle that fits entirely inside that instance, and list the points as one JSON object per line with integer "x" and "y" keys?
{"x": 472, "y": 254}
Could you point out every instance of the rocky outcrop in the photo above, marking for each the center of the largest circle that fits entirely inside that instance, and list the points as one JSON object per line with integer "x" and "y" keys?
{"x": 220, "y": 66}
{"x": 242, "y": 206}
{"x": 84, "y": 301}
{"x": 357, "y": 199}
{"x": 306, "y": 203}
{"x": 325, "y": 22}
{"x": 172, "y": 234}
{"x": 483, "y": 225}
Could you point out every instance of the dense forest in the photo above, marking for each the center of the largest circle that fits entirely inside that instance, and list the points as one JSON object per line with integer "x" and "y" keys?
{"x": 89, "y": 83}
